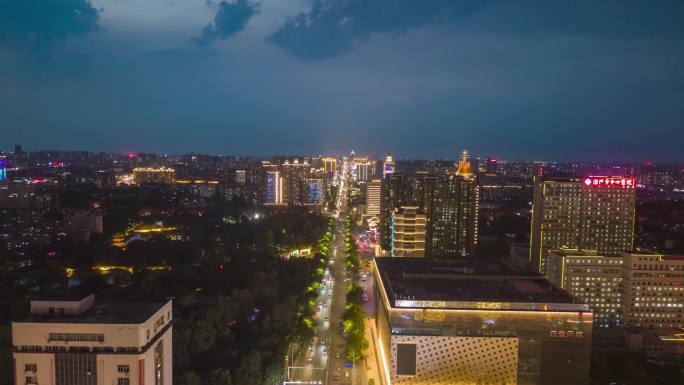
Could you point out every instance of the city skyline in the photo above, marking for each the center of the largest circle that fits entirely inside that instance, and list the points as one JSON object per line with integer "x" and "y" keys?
{"x": 341, "y": 192}
{"x": 539, "y": 80}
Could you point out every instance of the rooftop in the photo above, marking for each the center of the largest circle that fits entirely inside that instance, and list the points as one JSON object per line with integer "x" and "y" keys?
{"x": 118, "y": 312}
{"x": 467, "y": 284}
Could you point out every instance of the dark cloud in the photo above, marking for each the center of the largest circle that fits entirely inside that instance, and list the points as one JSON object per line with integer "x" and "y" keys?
{"x": 230, "y": 19}
{"x": 26, "y": 24}
{"x": 624, "y": 19}
{"x": 332, "y": 27}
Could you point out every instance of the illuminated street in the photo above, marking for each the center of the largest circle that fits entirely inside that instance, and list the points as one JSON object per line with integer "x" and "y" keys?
{"x": 323, "y": 362}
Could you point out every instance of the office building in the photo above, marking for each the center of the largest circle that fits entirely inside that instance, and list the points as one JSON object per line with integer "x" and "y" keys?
{"x": 150, "y": 175}
{"x": 594, "y": 279}
{"x": 592, "y": 213}
{"x": 638, "y": 289}
{"x": 408, "y": 232}
{"x": 373, "y": 194}
{"x": 453, "y": 204}
{"x": 462, "y": 321}
{"x": 18, "y": 149}
{"x": 69, "y": 341}
{"x": 654, "y": 291}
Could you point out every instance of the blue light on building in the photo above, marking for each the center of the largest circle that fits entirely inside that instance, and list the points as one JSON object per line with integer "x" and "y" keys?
{"x": 3, "y": 169}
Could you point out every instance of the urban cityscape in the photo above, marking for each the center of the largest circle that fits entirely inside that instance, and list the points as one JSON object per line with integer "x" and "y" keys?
{"x": 341, "y": 192}
{"x": 143, "y": 268}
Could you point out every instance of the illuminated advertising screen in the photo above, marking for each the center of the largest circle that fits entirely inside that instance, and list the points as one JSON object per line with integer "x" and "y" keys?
{"x": 612, "y": 181}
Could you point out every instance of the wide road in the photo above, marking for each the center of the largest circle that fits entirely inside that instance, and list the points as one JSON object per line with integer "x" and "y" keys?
{"x": 337, "y": 373}
{"x": 323, "y": 362}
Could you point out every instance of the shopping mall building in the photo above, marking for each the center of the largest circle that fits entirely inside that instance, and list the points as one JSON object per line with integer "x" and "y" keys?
{"x": 466, "y": 321}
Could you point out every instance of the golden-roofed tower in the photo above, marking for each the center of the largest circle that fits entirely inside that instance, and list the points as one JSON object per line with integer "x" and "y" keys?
{"x": 464, "y": 165}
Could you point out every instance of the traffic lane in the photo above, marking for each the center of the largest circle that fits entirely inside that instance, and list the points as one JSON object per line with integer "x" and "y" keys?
{"x": 369, "y": 286}
{"x": 337, "y": 343}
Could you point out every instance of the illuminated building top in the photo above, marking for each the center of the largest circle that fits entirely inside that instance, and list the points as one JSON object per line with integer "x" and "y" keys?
{"x": 467, "y": 284}
{"x": 388, "y": 166}
{"x": 142, "y": 175}
{"x": 464, "y": 165}
{"x": 611, "y": 181}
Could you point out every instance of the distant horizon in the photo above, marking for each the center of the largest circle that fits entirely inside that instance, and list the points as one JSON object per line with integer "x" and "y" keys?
{"x": 397, "y": 157}
{"x": 533, "y": 79}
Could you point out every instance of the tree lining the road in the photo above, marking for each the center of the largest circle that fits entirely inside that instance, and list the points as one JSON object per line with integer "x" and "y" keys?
{"x": 242, "y": 338}
{"x": 354, "y": 314}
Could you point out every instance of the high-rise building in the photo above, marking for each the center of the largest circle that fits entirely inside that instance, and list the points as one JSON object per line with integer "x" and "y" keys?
{"x": 453, "y": 213}
{"x": 594, "y": 213}
{"x": 273, "y": 185}
{"x": 373, "y": 194}
{"x": 408, "y": 232}
{"x": 150, "y": 175}
{"x": 18, "y": 149}
{"x": 330, "y": 167}
{"x": 3, "y": 169}
{"x": 388, "y": 166}
{"x": 80, "y": 341}
{"x": 362, "y": 169}
{"x": 595, "y": 280}
{"x": 654, "y": 295}
{"x": 315, "y": 191}
{"x": 391, "y": 196}
{"x": 462, "y": 321}
{"x": 240, "y": 177}
{"x": 626, "y": 289}
{"x": 295, "y": 190}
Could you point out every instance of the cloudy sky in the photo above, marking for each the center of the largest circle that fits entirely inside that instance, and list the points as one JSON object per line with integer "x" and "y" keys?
{"x": 517, "y": 79}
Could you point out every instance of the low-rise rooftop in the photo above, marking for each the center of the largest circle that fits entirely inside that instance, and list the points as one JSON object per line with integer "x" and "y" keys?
{"x": 468, "y": 284}
{"x": 114, "y": 312}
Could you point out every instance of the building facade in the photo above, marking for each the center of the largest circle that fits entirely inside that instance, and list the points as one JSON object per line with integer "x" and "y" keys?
{"x": 640, "y": 289}
{"x": 453, "y": 205}
{"x": 150, "y": 175}
{"x": 273, "y": 185}
{"x": 315, "y": 191}
{"x": 330, "y": 167}
{"x": 453, "y": 321}
{"x": 388, "y": 166}
{"x": 594, "y": 279}
{"x": 408, "y": 232}
{"x": 592, "y": 213}
{"x": 80, "y": 341}
{"x": 373, "y": 195}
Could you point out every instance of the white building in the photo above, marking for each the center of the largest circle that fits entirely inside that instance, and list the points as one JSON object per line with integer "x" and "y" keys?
{"x": 408, "y": 232}
{"x": 373, "y": 189}
{"x": 80, "y": 341}
{"x": 640, "y": 289}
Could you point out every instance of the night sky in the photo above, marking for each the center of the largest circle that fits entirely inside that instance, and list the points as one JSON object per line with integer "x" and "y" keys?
{"x": 539, "y": 80}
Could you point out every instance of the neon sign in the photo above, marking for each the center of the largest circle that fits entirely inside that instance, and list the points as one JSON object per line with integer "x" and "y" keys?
{"x": 612, "y": 181}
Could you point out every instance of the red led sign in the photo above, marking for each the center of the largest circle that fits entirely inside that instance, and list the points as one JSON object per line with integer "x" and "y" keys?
{"x": 617, "y": 181}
